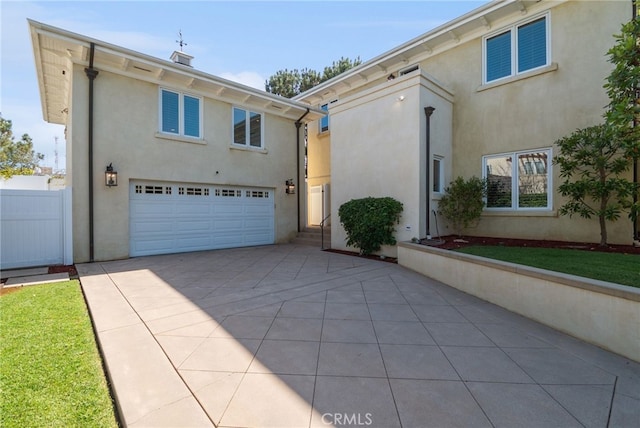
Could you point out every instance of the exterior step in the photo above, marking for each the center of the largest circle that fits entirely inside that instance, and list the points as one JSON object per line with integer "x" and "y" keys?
{"x": 313, "y": 236}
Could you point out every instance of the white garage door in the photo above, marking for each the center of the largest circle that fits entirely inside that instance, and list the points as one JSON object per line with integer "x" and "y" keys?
{"x": 173, "y": 218}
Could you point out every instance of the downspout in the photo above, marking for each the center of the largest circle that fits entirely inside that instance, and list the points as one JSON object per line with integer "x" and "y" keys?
{"x": 91, "y": 73}
{"x": 428, "y": 111}
{"x": 298, "y": 123}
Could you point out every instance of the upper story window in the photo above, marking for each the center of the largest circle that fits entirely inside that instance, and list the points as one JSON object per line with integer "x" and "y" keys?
{"x": 180, "y": 114}
{"x": 324, "y": 122}
{"x": 520, "y": 180}
{"x": 247, "y": 128}
{"x": 516, "y": 50}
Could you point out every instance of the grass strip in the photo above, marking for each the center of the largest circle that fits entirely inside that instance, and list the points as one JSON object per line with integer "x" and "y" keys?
{"x": 612, "y": 267}
{"x": 51, "y": 373}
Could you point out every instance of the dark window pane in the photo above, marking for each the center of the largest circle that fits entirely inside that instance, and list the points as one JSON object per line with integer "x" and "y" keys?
{"x": 255, "y": 129}
{"x": 499, "y": 182}
{"x": 239, "y": 126}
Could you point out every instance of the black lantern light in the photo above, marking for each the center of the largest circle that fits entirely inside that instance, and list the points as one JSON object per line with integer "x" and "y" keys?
{"x": 110, "y": 176}
{"x": 291, "y": 188}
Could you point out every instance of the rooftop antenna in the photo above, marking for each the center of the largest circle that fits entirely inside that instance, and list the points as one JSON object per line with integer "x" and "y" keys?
{"x": 181, "y": 41}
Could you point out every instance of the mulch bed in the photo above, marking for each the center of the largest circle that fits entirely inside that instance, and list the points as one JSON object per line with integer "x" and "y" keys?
{"x": 453, "y": 243}
{"x": 62, "y": 269}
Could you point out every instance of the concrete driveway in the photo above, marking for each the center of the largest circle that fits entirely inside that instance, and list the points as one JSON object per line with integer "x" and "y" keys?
{"x": 291, "y": 336}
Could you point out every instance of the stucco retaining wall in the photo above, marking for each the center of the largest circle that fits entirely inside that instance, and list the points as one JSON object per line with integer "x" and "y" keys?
{"x": 602, "y": 313}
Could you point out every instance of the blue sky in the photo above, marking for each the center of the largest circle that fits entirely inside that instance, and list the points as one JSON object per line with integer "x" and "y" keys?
{"x": 239, "y": 40}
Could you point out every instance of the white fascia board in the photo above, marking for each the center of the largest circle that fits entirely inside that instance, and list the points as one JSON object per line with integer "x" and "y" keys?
{"x": 292, "y": 107}
{"x": 477, "y": 16}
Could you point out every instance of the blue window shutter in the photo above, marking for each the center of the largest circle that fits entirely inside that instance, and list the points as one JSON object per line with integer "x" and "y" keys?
{"x": 532, "y": 45}
{"x": 191, "y": 116}
{"x": 170, "y": 118}
{"x": 498, "y": 52}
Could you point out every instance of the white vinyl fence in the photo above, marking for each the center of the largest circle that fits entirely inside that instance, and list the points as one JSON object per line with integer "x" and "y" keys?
{"x": 35, "y": 228}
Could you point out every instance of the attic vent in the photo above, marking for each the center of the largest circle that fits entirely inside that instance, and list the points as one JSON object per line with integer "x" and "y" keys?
{"x": 181, "y": 58}
{"x": 409, "y": 69}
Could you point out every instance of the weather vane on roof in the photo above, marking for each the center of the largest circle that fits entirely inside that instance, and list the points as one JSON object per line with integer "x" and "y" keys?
{"x": 181, "y": 42}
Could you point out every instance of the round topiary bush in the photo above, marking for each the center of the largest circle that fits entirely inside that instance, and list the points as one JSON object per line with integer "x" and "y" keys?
{"x": 369, "y": 222}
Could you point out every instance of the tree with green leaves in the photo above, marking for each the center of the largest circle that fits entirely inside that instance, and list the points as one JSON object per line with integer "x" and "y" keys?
{"x": 623, "y": 86}
{"x": 595, "y": 161}
{"x": 463, "y": 202}
{"x": 16, "y": 157}
{"x": 593, "y": 166}
{"x": 289, "y": 83}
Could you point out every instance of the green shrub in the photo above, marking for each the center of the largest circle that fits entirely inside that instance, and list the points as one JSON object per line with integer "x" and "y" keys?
{"x": 463, "y": 202}
{"x": 369, "y": 222}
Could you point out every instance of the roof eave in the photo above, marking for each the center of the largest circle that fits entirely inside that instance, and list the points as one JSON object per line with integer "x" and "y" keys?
{"x": 476, "y": 18}
{"x": 270, "y": 103}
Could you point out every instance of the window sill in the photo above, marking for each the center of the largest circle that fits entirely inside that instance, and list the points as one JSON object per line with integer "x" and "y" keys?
{"x": 546, "y": 69}
{"x": 249, "y": 149}
{"x": 180, "y": 138}
{"x": 519, "y": 213}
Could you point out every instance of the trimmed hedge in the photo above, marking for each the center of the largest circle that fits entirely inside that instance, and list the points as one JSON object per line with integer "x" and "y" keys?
{"x": 369, "y": 222}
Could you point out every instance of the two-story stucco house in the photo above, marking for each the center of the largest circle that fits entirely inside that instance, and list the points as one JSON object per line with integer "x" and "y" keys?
{"x": 484, "y": 95}
{"x": 201, "y": 162}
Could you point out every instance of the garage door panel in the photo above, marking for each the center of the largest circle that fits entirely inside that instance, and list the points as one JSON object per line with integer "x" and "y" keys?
{"x": 193, "y": 209}
{"x": 231, "y": 224}
{"x": 235, "y": 209}
{"x": 227, "y": 240}
{"x": 184, "y": 226}
{"x": 257, "y": 210}
{"x": 152, "y": 208}
{"x": 158, "y": 246}
{"x": 193, "y": 243}
{"x": 165, "y": 218}
{"x": 149, "y": 227}
{"x": 256, "y": 223}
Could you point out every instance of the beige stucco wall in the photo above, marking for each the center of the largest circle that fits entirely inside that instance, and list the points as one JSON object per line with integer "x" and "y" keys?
{"x": 378, "y": 149}
{"x": 602, "y": 313}
{"x": 534, "y": 112}
{"x": 125, "y": 134}
{"x": 529, "y": 112}
{"x": 319, "y": 161}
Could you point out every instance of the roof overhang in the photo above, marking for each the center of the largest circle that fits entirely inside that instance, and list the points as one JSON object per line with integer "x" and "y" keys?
{"x": 56, "y": 51}
{"x": 466, "y": 27}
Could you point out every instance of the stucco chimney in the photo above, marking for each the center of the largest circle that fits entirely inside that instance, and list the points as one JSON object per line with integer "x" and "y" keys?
{"x": 180, "y": 57}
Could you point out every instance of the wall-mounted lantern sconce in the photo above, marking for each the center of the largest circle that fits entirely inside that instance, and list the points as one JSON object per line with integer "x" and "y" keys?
{"x": 291, "y": 188}
{"x": 110, "y": 176}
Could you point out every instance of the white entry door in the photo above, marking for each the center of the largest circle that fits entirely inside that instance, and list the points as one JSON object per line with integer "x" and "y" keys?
{"x": 173, "y": 218}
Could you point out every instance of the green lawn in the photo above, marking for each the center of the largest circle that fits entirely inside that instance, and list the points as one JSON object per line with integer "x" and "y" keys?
{"x": 50, "y": 370}
{"x": 613, "y": 267}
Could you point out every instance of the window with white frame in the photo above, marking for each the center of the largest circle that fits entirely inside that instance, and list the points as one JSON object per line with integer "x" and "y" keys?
{"x": 519, "y": 180}
{"x": 324, "y": 122}
{"x": 438, "y": 175}
{"x": 517, "y": 49}
{"x": 248, "y": 128}
{"x": 180, "y": 114}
